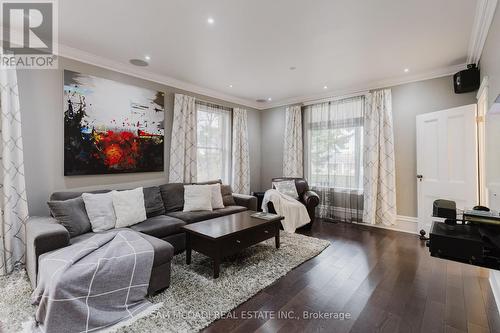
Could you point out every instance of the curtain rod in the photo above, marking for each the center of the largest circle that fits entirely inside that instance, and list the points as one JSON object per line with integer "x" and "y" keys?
{"x": 335, "y": 98}
{"x": 201, "y": 101}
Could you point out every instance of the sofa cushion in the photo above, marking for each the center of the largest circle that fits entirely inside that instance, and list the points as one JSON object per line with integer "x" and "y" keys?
{"x": 159, "y": 226}
{"x": 153, "y": 201}
{"x": 163, "y": 250}
{"x": 72, "y": 215}
{"x": 173, "y": 196}
{"x": 192, "y": 217}
{"x": 227, "y": 195}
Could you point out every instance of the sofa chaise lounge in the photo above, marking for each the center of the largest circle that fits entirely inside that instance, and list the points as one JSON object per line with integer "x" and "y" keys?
{"x": 162, "y": 228}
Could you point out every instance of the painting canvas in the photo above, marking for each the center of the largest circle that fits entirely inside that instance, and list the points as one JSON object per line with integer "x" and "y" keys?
{"x": 111, "y": 127}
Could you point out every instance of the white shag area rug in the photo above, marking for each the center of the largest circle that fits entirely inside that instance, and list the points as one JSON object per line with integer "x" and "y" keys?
{"x": 194, "y": 299}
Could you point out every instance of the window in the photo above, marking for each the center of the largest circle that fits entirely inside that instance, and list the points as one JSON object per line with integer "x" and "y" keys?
{"x": 334, "y": 141}
{"x": 213, "y": 142}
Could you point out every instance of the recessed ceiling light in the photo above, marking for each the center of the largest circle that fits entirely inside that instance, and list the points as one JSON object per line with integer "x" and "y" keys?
{"x": 210, "y": 20}
{"x": 269, "y": 99}
{"x": 138, "y": 62}
{"x": 407, "y": 70}
{"x": 293, "y": 68}
{"x": 230, "y": 86}
{"x": 325, "y": 87}
{"x": 147, "y": 57}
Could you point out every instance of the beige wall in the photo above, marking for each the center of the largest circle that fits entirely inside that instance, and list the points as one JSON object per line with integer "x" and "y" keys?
{"x": 408, "y": 101}
{"x": 41, "y": 99}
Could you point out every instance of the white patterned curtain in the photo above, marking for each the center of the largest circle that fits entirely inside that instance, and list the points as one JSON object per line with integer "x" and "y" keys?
{"x": 241, "y": 159}
{"x": 379, "y": 165}
{"x": 14, "y": 203}
{"x": 293, "y": 165}
{"x": 183, "y": 165}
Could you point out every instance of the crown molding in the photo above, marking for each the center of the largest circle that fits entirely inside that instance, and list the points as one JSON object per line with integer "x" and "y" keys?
{"x": 128, "y": 69}
{"x": 485, "y": 10}
{"x": 92, "y": 59}
{"x": 395, "y": 81}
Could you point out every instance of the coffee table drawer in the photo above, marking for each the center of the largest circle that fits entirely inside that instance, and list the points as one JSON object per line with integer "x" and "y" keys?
{"x": 244, "y": 239}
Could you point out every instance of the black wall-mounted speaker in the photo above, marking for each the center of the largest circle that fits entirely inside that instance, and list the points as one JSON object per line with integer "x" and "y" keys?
{"x": 467, "y": 80}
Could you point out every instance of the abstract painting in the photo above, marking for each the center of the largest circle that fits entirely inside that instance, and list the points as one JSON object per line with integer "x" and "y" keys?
{"x": 111, "y": 127}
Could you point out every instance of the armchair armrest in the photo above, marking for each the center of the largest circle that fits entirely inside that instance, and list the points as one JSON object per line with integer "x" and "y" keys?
{"x": 248, "y": 201}
{"x": 43, "y": 234}
{"x": 310, "y": 199}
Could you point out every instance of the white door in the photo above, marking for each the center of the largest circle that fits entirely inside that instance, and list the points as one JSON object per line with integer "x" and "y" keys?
{"x": 446, "y": 160}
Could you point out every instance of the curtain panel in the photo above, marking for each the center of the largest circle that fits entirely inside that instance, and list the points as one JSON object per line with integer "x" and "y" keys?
{"x": 241, "y": 158}
{"x": 379, "y": 181}
{"x": 293, "y": 165}
{"x": 183, "y": 165}
{"x": 334, "y": 157}
{"x": 14, "y": 204}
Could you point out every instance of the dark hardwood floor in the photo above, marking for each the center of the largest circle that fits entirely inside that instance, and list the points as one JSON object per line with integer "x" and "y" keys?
{"x": 386, "y": 280}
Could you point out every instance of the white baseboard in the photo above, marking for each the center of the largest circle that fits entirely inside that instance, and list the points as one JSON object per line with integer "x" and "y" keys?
{"x": 406, "y": 224}
{"x": 495, "y": 286}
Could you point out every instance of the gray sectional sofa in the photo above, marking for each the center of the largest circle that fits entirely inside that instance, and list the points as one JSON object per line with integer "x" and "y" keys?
{"x": 162, "y": 228}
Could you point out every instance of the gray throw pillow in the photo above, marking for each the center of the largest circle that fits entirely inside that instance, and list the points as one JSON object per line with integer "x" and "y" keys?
{"x": 173, "y": 197}
{"x": 227, "y": 195}
{"x": 153, "y": 201}
{"x": 72, "y": 215}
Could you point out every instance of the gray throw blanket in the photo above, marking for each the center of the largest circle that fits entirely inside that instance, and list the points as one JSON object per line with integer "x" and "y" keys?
{"x": 95, "y": 283}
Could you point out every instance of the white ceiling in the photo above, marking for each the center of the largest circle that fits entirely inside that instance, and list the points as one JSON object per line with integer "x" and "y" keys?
{"x": 343, "y": 44}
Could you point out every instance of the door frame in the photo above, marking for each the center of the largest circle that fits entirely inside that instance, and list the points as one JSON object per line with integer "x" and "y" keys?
{"x": 481, "y": 111}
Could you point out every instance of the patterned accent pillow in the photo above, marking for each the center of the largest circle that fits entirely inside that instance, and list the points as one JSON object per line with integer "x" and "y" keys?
{"x": 287, "y": 187}
{"x": 227, "y": 195}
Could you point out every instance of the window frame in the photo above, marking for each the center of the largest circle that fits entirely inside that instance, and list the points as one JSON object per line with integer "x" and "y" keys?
{"x": 356, "y": 123}
{"x": 225, "y": 148}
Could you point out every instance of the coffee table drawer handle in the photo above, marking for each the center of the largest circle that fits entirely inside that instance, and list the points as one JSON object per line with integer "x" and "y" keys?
{"x": 266, "y": 231}
{"x": 238, "y": 241}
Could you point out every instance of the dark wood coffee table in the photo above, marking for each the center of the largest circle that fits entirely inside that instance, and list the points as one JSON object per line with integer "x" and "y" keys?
{"x": 227, "y": 235}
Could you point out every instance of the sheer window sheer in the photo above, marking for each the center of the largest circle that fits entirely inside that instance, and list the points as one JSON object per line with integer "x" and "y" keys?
{"x": 213, "y": 142}
{"x": 334, "y": 157}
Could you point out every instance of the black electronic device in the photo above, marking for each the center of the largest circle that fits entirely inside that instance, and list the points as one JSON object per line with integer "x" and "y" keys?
{"x": 460, "y": 242}
{"x": 445, "y": 209}
{"x": 473, "y": 238}
{"x": 467, "y": 80}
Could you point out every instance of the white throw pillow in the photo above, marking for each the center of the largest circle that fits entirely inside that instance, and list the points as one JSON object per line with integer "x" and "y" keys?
{"x": 217, "y": 201}
{"x": 287, "y": 187}
{"x": 197, "y": 197}
{"x": 100, "y": 210}
{"x": 129, "y": 207}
